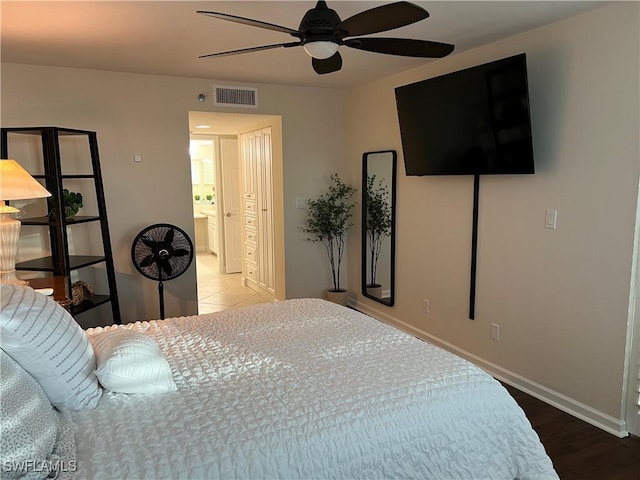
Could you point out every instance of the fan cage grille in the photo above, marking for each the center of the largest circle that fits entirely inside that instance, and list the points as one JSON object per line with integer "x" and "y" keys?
{"x": 178, "y": 263}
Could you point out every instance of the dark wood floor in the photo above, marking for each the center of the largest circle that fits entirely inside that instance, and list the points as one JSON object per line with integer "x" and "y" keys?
{"x": 578, "y": 450}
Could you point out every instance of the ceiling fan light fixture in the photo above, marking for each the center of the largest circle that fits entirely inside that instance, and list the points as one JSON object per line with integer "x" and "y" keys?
{"x": 321, "y": 32}
{"x": 321, "y": 49}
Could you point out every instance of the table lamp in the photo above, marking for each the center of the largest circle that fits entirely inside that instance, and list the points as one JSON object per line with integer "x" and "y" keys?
{"x": 15, "y": 184}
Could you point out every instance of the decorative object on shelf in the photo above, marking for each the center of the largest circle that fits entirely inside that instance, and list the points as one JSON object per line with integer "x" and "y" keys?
{"x": 196, "y": 198}
{"x": 15, "y": 184}
{"x": 81, "y": 292}
{"x": 378, "y": 225}
{"x": 209, "y": 198}
{"x": 72, "y": 202}
{"x": 162, "y": 252}
{"x": 328, "y": 219}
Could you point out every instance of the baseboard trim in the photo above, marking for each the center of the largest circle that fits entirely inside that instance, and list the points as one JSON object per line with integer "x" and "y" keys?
{"x": 558, "y": 400}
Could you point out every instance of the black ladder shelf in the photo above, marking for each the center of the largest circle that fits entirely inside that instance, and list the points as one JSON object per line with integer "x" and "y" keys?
{"x": 60, "y": 262}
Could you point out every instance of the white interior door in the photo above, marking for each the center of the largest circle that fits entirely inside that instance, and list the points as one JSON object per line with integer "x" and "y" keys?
{"x": 267, "y": 266}
{"x": 232, "y": 204}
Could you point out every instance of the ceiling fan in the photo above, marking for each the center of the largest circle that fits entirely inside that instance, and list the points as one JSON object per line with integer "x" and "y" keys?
{"x": 321, "y": 32}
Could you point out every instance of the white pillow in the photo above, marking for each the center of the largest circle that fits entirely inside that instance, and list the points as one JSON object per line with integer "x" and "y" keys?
{"x": 28, "y": 423}
{"x": 131, "y": 362}
{"x": 48, "y": 343}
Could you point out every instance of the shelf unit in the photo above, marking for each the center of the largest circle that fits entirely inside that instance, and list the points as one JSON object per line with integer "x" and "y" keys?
{"x": 54, "y": 175}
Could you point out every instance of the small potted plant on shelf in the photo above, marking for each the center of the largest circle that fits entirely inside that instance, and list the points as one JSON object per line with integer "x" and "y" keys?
{"x": 378, "y": 221}
{"x": 209, "y": 198}
{"x": 72, "y": 202}
{"x": 197, "y": 199}
{"x": 328, "y": 219}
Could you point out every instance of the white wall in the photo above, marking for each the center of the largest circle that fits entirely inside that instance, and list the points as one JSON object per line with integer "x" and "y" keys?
{"x": 560, "y": 297}
{"x": 149, "y": 115}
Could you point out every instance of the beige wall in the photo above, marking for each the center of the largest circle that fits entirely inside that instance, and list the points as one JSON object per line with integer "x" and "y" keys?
{"x": 560, "y": 297}
{"x": 149, "y": 115}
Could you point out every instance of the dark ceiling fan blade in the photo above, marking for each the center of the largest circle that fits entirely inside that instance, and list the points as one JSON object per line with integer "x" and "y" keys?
{"x": 328, "y": 65}
{"x": 251, "y": 49}
{"x": 383, "y": 18}
{"x": 181, "y": 252}
{"x": 406, "y": 47}
{"x": 251, "y": 22}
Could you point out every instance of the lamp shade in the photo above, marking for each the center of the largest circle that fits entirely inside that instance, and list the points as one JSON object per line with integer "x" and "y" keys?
{"x": 17, "y": 184}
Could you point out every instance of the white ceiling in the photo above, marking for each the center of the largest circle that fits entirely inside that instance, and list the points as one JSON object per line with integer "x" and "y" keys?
{"x": 166, "y": 37}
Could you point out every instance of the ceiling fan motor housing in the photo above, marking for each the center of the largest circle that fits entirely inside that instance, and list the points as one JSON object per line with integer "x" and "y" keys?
{"x": 319, "y": 23}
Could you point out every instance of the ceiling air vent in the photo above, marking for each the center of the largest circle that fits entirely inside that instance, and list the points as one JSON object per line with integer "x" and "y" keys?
{"x": 225, "y": 96}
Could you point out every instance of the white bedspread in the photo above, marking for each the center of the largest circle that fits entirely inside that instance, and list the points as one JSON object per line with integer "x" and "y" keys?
{"x": 308, "y": 389}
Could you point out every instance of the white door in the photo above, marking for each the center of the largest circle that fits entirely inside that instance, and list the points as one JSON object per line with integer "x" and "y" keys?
{"x": 231, "y": 203}
{"x": 257, "y": 162}
{"x": 266, "y": 257}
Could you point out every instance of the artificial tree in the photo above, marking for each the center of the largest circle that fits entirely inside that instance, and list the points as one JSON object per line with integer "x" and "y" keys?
{"x": 328, "y": 219}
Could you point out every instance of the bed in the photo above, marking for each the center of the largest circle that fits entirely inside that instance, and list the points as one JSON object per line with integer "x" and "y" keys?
{"x": 302, "y": 389}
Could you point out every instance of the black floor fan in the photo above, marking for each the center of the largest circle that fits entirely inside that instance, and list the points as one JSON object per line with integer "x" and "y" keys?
{"x": 162, "y": 252}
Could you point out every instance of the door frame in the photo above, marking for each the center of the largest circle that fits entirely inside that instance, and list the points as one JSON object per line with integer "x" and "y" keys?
{"x": 222, "y": 124}
{"x": 631, "y": 384}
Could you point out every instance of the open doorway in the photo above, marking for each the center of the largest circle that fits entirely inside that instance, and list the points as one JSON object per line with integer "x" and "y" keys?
{"x": 223, "y": 262}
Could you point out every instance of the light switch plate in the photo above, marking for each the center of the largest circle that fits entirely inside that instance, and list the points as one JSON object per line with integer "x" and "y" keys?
{"x": 551, "y": 219}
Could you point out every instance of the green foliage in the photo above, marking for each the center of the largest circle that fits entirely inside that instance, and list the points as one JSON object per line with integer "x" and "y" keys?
{"x": 378, "y": 220}
{"x": 196, "y": 198}
{"x": 328, "y": 219}
{"x": 72, "y": 202}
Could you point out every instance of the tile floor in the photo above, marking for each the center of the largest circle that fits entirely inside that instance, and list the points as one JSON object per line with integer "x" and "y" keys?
{"x": 218, "y": 291}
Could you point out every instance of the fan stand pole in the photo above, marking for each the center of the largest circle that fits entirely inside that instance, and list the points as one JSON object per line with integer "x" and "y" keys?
{"x": 161, "y": 295}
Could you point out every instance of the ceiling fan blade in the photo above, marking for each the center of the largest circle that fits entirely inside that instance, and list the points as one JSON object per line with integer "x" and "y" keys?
{"x": 328, "y": 65}
{"x": 251, "y": 49}
{"x": 383, "y": 18}
{"x": 181, "y": 252}
{"x": 406, "y": 47}
{"x": 251, "y": 22}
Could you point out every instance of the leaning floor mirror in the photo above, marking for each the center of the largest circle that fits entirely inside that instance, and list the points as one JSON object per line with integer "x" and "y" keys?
{"x": 378, "y": 225}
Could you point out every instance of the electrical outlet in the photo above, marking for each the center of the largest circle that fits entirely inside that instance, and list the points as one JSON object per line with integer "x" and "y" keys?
{"x": 425, "y": 306}
{"x": 495, "y": 332}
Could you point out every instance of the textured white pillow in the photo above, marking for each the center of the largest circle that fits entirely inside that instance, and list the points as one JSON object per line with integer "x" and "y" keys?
{"x": 28, "y": 423}
{"x": 131, "y": 362}
{"x": 48, "y": 343}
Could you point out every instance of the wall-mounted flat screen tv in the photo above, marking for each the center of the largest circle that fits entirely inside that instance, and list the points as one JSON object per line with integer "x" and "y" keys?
{"x": 470, "y": 122}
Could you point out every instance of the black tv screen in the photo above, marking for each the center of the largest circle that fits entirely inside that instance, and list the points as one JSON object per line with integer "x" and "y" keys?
{"x": 471, "y": 122}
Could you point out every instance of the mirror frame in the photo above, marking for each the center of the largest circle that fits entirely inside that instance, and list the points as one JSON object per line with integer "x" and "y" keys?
{"x": 390, "y": 301}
